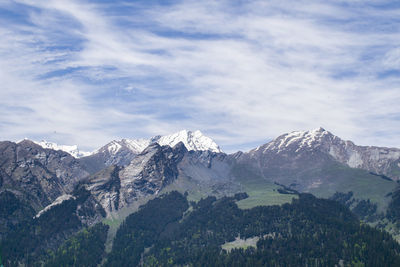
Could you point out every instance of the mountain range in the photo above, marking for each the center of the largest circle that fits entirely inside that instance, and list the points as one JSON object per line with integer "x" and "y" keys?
{"x": 313, "y": 161}
{"x": 375, "y": 159}
{"x": 192, "y": 141}
{"x": 39, "y": 178}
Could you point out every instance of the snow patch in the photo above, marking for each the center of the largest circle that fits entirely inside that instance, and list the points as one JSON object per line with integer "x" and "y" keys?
{"x": 72, "y": 150}
{"x": 56, "y": 202}
{"x": 136, "y": 145}
{"x": 113, "y": 147}
{"x": 302, "y": 139}
{"x": 192, "y": 140}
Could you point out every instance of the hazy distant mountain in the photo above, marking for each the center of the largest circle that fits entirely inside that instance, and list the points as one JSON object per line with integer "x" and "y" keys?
{"x": 73, "y": 150}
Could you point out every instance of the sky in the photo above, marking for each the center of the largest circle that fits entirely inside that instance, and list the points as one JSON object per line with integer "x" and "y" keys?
{"x": 243, "y": 72}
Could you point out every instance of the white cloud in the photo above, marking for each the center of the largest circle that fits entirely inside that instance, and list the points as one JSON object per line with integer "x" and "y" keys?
{"x": 240, "y": 73}
{"x": 392, "y": 59}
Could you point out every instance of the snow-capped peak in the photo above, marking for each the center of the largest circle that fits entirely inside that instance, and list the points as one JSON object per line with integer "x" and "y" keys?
{"x": 192, "y": 141}
{"x": 134, "y": 145}
{"x": 300, "y": 139}
{"x": 73, "y": 150}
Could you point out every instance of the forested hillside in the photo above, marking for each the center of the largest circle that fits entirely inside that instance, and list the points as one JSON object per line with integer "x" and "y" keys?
{"x": 310, "y": 231}
{"x": 170, "y": 231}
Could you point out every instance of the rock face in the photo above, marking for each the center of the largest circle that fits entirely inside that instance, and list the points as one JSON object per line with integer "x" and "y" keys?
{"x": 105, "y": 187}
{"x": 319, "y": 145}
{"x": 148, "y": 173}
{"x": 205, "y": 173}
{"x": 157, "y": 168}
{"x": 32, "y": 178}
{"x": 116, "y": 152}
{"x": 153, "y": 169}
{"x": 39, "y": 175}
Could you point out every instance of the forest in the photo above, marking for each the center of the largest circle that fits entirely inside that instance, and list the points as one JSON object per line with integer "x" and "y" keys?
{"x": 308, "y": 232}
{"x": 172, "y": 231}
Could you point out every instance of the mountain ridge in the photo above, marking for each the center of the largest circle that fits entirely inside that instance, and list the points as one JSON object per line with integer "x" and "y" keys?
{"x": 112, "y": 185}
{"x": 380, "y": 160}
{"x": 193, "y": 140}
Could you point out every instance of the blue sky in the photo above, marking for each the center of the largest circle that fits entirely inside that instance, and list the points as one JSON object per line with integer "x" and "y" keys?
{"x": 243, "y": 72}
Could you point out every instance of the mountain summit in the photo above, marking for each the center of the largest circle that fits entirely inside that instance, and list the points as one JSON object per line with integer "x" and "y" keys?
{"x": 192, "y": 140}
{"x": 317, "y": 160}
{"x": 298, "y": 140}
{"x": 195, "y": 141}
{"x": 122, "y": 152}
{"x": 380, "y": 160}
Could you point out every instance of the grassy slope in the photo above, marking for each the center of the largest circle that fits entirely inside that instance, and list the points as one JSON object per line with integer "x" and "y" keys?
{"x": 241, "y": 243}
{"x": 335, "y": 177}
{"x": 261, "y": 191}
{"x": 363, "y": 184}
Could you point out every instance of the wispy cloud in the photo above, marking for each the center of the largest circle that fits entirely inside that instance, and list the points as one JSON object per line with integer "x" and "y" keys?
{"x": 243, "y": 72}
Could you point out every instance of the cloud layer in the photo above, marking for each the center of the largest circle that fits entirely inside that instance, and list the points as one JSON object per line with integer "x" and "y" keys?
{"x": 243, "y": 72}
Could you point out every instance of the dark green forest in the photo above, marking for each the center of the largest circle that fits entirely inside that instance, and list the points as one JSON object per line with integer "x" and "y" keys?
{"x": 308, "y": 232}
{"x": 84, "y": 249}
{"x": 171, "y": 231}
{"x": 33, "y": 238}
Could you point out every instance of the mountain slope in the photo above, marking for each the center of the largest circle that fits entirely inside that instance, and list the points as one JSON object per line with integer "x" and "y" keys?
{"x": 33, "y": 237}
{"x": 321, "y": 163}
{"x": 40, "y": 174}
{"x": 31, "y": 178}
{"x": 149, "y": 172}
